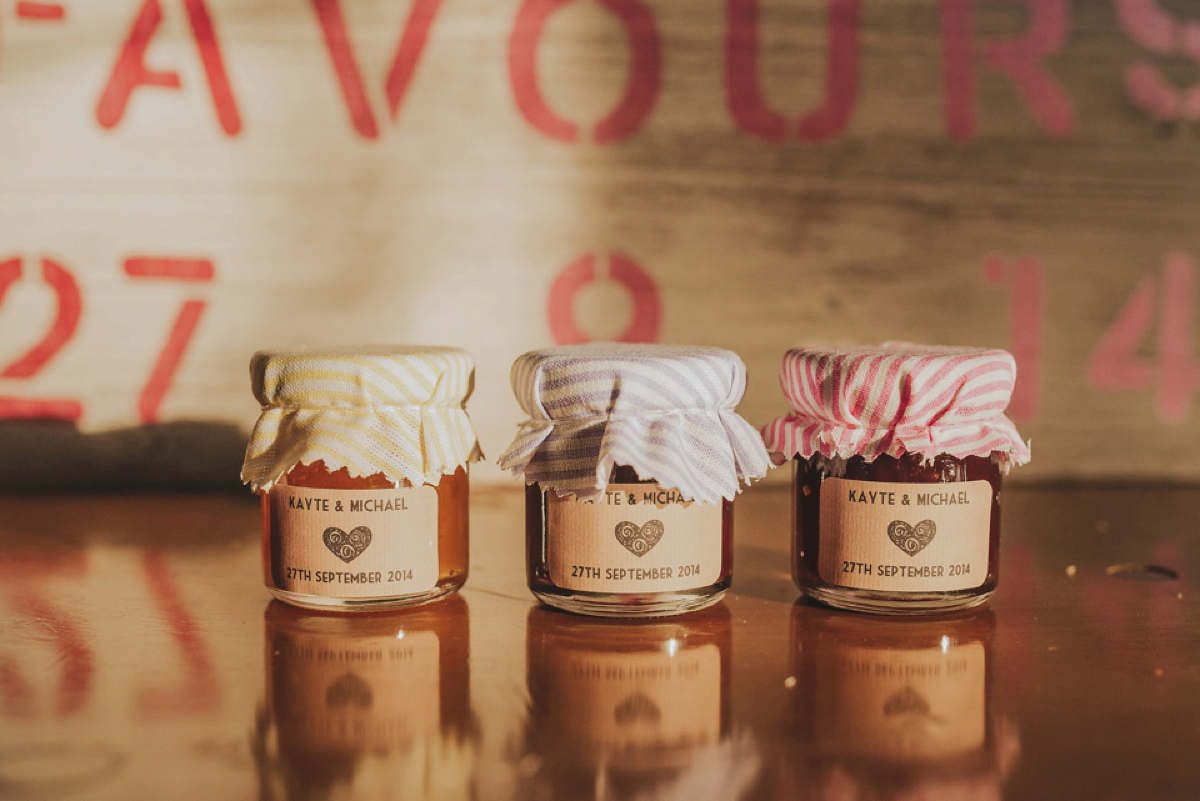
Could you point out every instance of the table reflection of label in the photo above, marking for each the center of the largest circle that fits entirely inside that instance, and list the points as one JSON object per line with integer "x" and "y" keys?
{"x": 619, "y": 702}
{"x": 354, "y": 693}
{"x": 903, "y": 704}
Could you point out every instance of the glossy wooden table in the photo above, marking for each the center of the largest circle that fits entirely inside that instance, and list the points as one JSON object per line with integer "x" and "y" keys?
{"x": 139, "y": 659}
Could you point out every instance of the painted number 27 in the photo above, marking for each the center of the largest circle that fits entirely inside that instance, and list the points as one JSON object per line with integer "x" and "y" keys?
{"x": 64, "y": 325}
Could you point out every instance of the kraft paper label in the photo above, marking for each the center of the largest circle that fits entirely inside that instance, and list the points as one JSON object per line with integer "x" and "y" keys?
{"x": 878, "y": 535}
{"x": 617, "y": 702}
{"x": 634, "y": 538}
{"x": 918, "y": 704}
{"x": 342, "y": 692}
{"x": 355, "y": 543}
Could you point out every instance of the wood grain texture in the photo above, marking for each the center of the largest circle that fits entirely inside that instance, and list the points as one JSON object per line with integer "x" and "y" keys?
{"x": 448, "y": 219}
{"x": 141, "y": 660}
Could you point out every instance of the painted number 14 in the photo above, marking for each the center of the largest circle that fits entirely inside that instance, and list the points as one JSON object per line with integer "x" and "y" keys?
{"x": 1115, "y": 362}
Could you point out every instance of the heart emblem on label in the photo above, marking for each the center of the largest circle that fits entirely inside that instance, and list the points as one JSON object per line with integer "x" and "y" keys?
{"x": 637, "y": 708}
{"x": 347, "y": 547}
{"x": 912, "y": 539}
{"x": 906, "y": 702}
{"x": 639, "y": 541}
{"x": 348, "y": 690}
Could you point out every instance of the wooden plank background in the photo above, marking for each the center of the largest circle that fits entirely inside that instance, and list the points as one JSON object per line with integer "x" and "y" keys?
{"x": 185, "y": 181}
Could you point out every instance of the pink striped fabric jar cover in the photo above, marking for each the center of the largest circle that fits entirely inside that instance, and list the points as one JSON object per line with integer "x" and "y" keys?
{"x": 899, "y": 453}
{"x": 632, "y": 455}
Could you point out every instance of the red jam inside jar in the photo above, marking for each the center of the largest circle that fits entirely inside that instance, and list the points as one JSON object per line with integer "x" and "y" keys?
{"x": 587, "y": 578}
{"x": 897, "y": 535}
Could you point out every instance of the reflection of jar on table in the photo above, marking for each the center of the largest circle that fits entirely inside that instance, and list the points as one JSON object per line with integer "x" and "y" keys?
{"x": 894, "y": 709}
{"x": 361, "y": 457}
{"x": 636, "y": 702}
{"x": 375, "y": 702}
{"x": 899, "y": 454}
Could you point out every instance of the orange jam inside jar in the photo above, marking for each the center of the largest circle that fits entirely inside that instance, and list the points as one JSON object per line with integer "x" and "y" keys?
{"x": 899, "y": 455}
{"x": 388, "y": 525}
{"x": 632, "y": 455}
{"x": 452, "y": 532}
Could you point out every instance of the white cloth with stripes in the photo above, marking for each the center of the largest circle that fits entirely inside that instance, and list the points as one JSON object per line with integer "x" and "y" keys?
{"x": 895, "y": 399}
{"x": 392, "y": 410}
{"x": 666, "y": 411}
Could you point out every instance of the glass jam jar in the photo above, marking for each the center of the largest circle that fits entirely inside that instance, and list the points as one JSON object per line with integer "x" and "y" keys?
{"x": 451, "y": 537}
{"x": 897, "y": 709}
{"x": 364, "y": 705}
{"x": 631, "y": 703}
{"x": 632, "y": 456}
{"x": 899, "y": 455}
{"x": 361, "y": 458}
{"x": 973, "y": 562}
{"x": 703, "y": 577}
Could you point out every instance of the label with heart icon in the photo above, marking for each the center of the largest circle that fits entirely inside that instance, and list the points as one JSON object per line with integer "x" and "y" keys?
{"x": 347, "y": 547}
{"x": 912, "y": 539}
{"x": 618, "y": 543}
{"x": 640, "y": 540}
{"x": 904, "y": 537}
{"x": 354, "y": 543}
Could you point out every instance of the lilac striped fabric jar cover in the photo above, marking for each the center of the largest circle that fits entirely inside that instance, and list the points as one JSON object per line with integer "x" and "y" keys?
{"x": 667, "y": 411}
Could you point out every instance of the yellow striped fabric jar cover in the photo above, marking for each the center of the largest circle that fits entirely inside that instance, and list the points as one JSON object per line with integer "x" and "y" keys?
{"x": 396, "y": 410}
